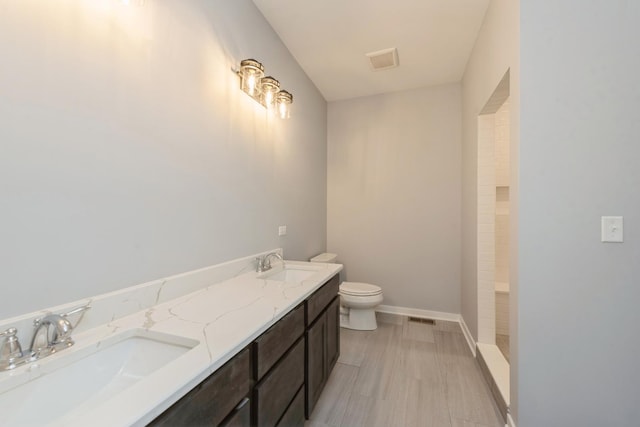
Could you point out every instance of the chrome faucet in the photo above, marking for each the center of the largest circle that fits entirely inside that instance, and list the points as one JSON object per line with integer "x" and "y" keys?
{"x": 264, "y": 262}
{"x": 52, "y": 334}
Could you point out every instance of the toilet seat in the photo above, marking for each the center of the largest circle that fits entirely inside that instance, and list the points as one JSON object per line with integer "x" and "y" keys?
{"x": 359, "y": 289}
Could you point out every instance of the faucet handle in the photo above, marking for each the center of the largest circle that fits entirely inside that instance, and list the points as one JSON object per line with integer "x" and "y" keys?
{"x": 10, "y": 349}
{"x": 260, "y": 264}
{"x": 77, "y": 310}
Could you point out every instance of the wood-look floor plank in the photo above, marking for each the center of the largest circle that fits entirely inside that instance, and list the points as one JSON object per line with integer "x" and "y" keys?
{"x": 423, "y": 404}
{"x": 375, "y": 374}
{"x": 364, "y": 411}
{"x": 418, "y": 360}
{"x": 468, "y": 394}
{"x": 446, "y": 326}
{"x": 353, "y": 346}
{"x": 398, "y": 378}
{"x": 457, "y": 422}
{"x": 417, "y": 331}
{"x": 333, "y": 402}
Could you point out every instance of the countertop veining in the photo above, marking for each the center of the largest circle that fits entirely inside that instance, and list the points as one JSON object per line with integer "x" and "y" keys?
{"x": 223, "y": 318}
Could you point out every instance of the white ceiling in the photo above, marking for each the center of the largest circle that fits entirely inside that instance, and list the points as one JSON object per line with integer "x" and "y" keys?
{"x": 329, "y": 39}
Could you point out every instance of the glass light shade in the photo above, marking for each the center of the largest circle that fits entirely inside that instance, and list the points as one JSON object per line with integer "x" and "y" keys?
{"x": 284, "y": 100}
{"x": 251, "y": 72}
{"x": 270, "y": 88}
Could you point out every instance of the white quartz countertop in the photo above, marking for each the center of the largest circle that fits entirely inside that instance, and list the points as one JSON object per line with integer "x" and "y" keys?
{"x": 223, "y": 318}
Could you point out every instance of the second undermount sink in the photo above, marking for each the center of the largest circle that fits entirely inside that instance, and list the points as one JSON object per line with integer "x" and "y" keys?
{"x": 82, "y": 379}
{"x": 290, "y": 273}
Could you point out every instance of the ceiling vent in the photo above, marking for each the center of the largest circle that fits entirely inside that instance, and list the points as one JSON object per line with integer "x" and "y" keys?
{"x": 383, "y": 59}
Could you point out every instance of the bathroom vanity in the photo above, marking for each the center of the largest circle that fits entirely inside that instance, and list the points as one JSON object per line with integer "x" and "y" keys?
{"x": 277, "y": 379}
{"x": 227, "y": 346}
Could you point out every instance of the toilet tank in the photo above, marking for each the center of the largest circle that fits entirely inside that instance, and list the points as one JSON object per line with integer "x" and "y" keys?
{"x": 325, "y": 257}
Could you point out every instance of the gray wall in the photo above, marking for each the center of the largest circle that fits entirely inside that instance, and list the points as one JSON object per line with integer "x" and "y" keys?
{"x": 394, "y": 194}
{"x": 579, "y": 160}
{"x": 129, "y": 153}
{"x": 496, "y": 51}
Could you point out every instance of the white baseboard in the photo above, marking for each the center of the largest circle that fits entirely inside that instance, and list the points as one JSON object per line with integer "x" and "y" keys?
{"x": 467, "y": 334}
{"x": 510, "y": 422}
{"x": 416, "y": 312}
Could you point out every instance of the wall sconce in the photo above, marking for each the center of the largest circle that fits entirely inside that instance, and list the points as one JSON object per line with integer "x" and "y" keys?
{"x": 265, "y": 90}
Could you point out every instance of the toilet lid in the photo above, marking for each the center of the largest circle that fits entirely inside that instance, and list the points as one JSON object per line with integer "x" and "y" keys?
{"x": 361, "y": 289}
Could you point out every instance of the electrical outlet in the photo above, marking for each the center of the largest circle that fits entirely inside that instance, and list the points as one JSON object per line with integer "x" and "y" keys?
{"x": 282, "y": 230}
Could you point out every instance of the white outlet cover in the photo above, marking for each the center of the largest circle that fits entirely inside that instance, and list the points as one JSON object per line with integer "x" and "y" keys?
{"x": 282, "y": 230}
{"x": 612, "y": 229}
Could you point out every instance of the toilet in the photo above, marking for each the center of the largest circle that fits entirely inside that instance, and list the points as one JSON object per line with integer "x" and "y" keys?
{"x": 357, "y": 300}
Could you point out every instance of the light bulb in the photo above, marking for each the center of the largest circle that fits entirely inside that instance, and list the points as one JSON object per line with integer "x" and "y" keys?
{"x": 251, "y": 84}
{"x": 284, "y": 100}
{"x": 269, "y": 89}
{"x": 251, "y": 72}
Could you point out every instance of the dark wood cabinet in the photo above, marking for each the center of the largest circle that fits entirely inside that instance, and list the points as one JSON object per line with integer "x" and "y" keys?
{"x": 274, "y": 394}
{"x": 315, "y": 369}
{"x": 241, "y": 415}
{"x": 320, "y": 299}
{"x": 215, "y": 399}
{"x": 269, "y": 347}
{"x": 277, "y": 379}
{"x": 322, "y": 340}
{"x": 295, "y": 414}
{"x": 333, "y": 333}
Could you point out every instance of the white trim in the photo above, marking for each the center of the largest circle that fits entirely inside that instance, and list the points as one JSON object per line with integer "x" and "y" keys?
{"x": 498, "y": 369}
{"x": 467, "y": 334}
{"x": 510, "y": 422}
{"x": 416, "y": 312}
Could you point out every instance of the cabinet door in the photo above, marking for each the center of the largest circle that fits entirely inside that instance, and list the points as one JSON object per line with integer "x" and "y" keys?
{"x": 316, "y": 362}
{"x": 333, "y": 334}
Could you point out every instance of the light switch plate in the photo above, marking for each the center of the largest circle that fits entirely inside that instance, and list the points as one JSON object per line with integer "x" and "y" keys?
{"x": 282, "y": 230}
{"x": 612, "y": 230}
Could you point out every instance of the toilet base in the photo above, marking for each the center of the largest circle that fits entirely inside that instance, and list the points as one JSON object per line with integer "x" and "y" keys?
{"x": 358, "y": 319}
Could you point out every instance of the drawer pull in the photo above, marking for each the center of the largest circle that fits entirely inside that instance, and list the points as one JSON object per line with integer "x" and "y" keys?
{"x": 242, "y": 403}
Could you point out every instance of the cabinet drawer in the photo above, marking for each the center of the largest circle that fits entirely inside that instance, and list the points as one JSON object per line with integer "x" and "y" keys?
{"x": 321, "y": 298}
{"x": 241, "y": 416}
{"x": 277, "y": 389}
{"x": 214, "y": 398}
{"x": 271, "y": 345}
{"x": 294, "y": 417}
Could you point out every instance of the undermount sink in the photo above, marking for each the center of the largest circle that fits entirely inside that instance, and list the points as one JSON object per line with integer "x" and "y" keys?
{"x": 290, "y": 273}
{"x": 82, "y": 379}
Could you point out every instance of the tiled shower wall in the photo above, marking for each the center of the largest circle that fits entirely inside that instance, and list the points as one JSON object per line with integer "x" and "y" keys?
{"x": 486, "y": 229}
{"x": 502, "y": 145}
{"x": 502, "y": 218}
{"x": 493, "y": 222}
